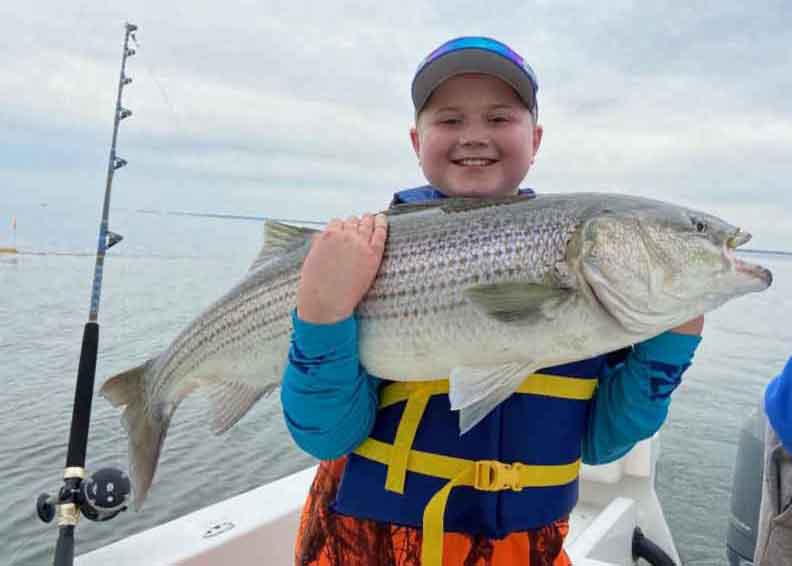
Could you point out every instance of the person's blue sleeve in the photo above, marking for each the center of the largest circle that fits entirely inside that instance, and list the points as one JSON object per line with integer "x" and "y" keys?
{"x": 778, "y": 405}
{"x": 632, "y": 397}
{"x": 329, "y": 400}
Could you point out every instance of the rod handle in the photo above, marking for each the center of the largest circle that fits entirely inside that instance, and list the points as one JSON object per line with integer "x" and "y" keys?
{"x": 64, "y": 549}
{"x": 83, "y": 397}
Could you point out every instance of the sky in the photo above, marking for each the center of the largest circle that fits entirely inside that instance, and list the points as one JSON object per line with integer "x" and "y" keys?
{"x": 302, "y": 109}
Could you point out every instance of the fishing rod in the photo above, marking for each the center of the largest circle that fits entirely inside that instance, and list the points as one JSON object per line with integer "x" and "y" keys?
{"x": 104, "y": 494}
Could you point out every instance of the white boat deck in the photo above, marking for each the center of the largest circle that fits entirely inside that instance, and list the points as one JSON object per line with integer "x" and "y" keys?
{"x": 258, "y": 527}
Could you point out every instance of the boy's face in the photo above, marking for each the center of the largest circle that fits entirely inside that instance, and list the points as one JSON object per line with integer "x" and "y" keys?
{"x": 475, "y": 137}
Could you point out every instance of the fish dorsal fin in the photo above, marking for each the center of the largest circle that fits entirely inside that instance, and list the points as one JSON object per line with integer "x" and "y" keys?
{"x": 455, "y": 204}
{"x": 280, "y": 238}
{"x": 517, "y": 301}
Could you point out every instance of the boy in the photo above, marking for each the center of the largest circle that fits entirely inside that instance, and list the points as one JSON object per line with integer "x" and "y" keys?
{"x": 476, "y": 135}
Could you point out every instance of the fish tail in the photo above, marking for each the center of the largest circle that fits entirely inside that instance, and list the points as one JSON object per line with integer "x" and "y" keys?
{"x": 145, "y": 425}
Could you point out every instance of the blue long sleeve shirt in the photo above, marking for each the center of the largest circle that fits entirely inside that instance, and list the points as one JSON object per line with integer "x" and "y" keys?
{"x": 330, "y": 401}
{"x": 778, "y": 405}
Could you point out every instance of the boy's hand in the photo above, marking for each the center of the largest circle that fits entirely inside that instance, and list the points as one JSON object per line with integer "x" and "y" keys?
{"x": 693, "y": 327}
{"x": 340, "y": 268}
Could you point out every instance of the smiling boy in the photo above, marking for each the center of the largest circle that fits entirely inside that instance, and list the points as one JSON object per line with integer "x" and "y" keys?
{"x": 475, "y": 137}
{"x": 476, "y": 134}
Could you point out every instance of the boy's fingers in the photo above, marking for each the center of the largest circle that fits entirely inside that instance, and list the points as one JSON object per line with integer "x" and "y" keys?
{"x": 334, "y": 225}
{"x": 366, "y": 226}
{"x": 381, "y": 221}
{"x": 351, "y": 223}
{"x": 380, "y": 232}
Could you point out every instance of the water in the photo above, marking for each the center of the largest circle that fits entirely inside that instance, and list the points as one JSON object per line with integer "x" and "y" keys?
{"x": 170, "y": 267}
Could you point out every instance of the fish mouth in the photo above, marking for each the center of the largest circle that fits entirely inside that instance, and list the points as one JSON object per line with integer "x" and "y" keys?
{"x": 752, "y": 270}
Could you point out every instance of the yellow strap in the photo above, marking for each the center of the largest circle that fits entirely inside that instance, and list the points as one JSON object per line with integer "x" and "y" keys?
{"x": 483, "y": 475}
{"x": 448, "y": 467}
{"x": 535, "y": 384}
{"x": 581, "y": 389}
{"x": 405, "y": 434}
{"x": 432, "y": 543}
{"x": 425, "y": 463}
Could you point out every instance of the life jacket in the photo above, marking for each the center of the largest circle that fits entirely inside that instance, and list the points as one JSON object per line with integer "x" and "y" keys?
{"x": 515, "y": 470}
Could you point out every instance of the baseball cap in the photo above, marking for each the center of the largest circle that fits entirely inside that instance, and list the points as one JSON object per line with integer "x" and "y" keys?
{"x": 475, "y": 54}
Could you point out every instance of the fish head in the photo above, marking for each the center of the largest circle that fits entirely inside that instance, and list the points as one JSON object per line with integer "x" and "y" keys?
{"x": 653, "y": 266}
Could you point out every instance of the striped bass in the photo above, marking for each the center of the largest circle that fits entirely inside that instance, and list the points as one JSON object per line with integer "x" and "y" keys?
{"x": 482, "y": 292}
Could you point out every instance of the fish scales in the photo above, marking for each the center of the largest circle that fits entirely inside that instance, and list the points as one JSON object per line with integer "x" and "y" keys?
{"x": 428, "y": 265}
{"x": 250, "y": 310}
{"x": 417, "y": 265}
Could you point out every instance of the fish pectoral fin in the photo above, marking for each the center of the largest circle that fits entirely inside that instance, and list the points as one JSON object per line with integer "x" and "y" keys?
{"x": 280, "y": 238}
{"x": 474, "y": 392}
{"x": 230, "y": 401}
{"x": 518, "y": 302}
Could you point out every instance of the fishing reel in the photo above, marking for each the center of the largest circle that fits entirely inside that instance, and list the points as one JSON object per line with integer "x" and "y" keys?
{"x": 99, "y": 498}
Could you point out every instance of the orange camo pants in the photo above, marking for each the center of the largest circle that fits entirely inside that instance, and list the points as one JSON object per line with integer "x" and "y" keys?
{"x": 329, "y": 539}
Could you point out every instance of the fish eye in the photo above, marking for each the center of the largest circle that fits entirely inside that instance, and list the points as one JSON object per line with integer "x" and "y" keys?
{"x": 700, "y": 225}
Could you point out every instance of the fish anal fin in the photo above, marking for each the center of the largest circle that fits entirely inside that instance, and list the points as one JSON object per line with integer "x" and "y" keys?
{"x": 475, "y": 392}
{"x": 230, "y": 401}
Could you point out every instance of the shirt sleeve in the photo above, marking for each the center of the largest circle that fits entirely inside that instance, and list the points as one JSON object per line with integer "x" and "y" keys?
{"x": 778, "y": 405}
{"x": 329, "y": 400}
{"x": 633, "y": 396}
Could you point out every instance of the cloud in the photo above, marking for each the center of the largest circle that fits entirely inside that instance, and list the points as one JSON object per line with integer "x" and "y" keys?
{"x": 246, "y": 105}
